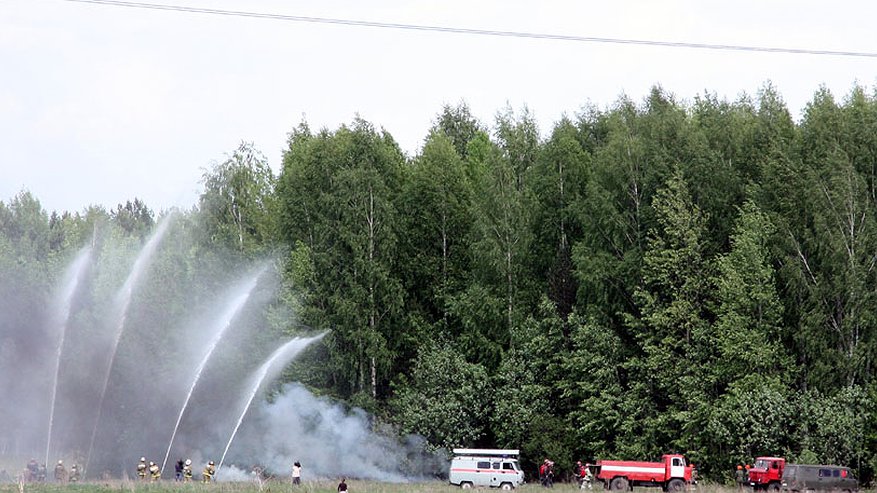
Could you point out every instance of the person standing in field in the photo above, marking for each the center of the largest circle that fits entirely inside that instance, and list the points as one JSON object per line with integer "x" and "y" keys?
{"x": 60, "y": 472}
{"x": 296, "y": 472}
{"x": 208, "y": 472}
{"x": 342, "y": 486}
{"x": 187, "y": 470}
{"x": 141, "y": 469}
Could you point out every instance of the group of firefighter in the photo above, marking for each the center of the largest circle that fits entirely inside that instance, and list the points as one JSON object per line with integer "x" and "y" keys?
{"x": 183, "y": 471}
{"x": 741, "y": 475}
{"x": 36, "y": 472}
{"x": 581, "y": 472}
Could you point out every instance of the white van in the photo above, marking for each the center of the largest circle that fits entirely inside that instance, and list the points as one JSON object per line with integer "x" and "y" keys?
{"x": 496, "y": 468}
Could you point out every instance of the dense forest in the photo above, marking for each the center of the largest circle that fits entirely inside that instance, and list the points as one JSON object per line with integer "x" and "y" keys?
{"x": 654, "y": 276}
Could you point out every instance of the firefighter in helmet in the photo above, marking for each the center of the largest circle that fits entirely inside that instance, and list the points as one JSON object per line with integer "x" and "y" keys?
{"x": 141, "y": 469}
{"x": 60, "y": 472}
{"x": 74, "y": 474}
{"x": 154, "y": 471}
{"x": 208, "y": 472}
{"x": 187, "y": 470}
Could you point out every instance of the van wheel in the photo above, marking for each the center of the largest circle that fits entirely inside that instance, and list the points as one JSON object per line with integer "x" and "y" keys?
{"x": 618, "y": 484}
{"x": 505, "y": 486}
{"x": 676, "y": 485}
{"x": 466, "y": 485}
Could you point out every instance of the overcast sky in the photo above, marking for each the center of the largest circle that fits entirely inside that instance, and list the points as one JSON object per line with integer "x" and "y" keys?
{"x": 100, "y": 104}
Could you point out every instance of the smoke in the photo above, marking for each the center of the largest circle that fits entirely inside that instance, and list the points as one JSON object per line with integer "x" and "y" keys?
{"x": 329, "y": 441}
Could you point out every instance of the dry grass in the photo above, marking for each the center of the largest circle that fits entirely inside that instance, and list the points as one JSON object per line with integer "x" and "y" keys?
{"x": 355, "y": 486}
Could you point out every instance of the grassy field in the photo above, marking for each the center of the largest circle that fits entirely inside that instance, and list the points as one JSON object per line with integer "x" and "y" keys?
{"x": 354, "y": 486}
{"x": 277, "y": 486}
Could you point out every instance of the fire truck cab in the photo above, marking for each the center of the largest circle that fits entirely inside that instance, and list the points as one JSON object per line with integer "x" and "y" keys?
{"x": 767, "y": 473}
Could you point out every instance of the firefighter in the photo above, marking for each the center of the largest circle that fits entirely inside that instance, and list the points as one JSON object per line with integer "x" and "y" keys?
{"x": 187, "y": 470}
{"x": 583, "y": 475}
{"x": 178, "y": 470}
{"x": 154, "y": 471}
{"x": 74, "y": 474}
{"x": 141, "y": 469}
{"x": 33, "y": 470}
{"x": 208, "y": 472}
{"x": 739, "y": 476}
{"x": 546, "y": 473}
{"x": 60, "y": 472}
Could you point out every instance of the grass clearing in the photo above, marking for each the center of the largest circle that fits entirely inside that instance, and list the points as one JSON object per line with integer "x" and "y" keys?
{"x": 275, "y": 486}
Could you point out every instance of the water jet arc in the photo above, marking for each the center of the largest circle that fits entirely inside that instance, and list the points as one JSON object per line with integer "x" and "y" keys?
{"x": 123, "y": 300}
{"x": 273, "y": 366}
{"x": 224, "y": 323}
{"x": 71, "y": 282}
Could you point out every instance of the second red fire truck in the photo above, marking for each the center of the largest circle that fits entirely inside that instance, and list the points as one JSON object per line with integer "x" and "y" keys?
{"x": 673, "y": 473}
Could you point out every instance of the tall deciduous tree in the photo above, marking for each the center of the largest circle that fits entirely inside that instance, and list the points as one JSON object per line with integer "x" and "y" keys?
{"x": 237, "y": 202}
{"x": 674, "y": 331}
{"x": 749, "y": 313}
{"x": 560, "y": 176}
{"x": 503, "y": 212}
{"x": 338, "y": 192}
{"x": 437, "y": 199}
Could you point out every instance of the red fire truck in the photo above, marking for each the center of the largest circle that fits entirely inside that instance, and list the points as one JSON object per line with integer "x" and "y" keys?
{"x": 673, "y": 473}
{"x": 767, "y": 473}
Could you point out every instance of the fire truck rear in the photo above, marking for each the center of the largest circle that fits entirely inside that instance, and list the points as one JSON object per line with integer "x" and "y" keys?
{"x": 673, "y": 473}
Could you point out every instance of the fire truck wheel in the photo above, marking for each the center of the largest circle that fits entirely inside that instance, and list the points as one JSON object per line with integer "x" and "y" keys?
{"x": 773, "y": 487}
{"x": 676, "y": 485}
{"x": 618, "y": 484}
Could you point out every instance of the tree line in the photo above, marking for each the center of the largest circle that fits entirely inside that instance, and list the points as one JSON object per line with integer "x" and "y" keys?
{"x": 651, "y": 277}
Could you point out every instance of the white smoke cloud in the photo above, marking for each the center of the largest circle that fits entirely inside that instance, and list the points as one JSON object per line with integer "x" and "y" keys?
{"x": 329, "y": 441}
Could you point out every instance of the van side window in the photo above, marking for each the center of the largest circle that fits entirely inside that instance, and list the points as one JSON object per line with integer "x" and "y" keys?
{"x": 835, "y": 473}
{"x": 825, "y": 473}
{"x": 483, "y": 465}
{"x": 496, "y": 465}
{"x": 507, "y": 466}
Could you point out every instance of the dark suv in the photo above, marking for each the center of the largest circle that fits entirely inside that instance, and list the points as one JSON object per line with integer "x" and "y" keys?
{"x": 802, "y": 478}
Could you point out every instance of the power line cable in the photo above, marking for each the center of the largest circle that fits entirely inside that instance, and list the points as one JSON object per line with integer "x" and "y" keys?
{"x": 481, "y": 32}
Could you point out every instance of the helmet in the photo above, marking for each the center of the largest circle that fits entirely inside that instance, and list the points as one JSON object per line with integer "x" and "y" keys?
{"x": 739, "y": 467}
{"x": 143, "y": 459}
{"x": 188, "y": 462}
{"x": 210, "y": 463}
{"x": 151, "y": 463}
{"x": 60, "y": 462}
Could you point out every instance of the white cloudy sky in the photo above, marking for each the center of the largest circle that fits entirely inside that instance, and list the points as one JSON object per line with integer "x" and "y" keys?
{"x": 100, "y": 104}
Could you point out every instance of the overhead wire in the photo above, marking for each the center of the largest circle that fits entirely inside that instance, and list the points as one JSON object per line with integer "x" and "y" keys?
{"x": 481, "y": 32}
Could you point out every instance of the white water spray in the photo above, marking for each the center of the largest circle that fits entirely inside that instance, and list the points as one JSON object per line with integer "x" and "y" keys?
{"x": 71, "y": 281}
{"x": 273, "y": 366}
{"x": 223, "y": 323}
{"x": 123, "y": 300}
